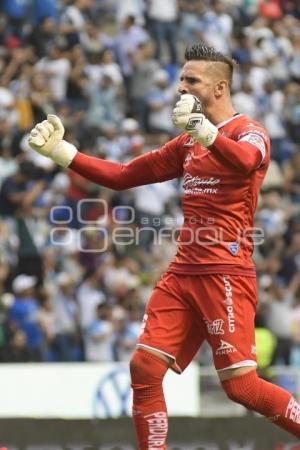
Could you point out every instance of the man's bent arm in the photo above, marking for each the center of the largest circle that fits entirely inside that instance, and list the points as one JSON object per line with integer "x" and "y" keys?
{"x": 242, "y": 155}
{"x": 114, "y": 175}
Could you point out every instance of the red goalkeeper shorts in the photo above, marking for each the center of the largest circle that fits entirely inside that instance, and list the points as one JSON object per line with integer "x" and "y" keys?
{"x": 185, "y": 310}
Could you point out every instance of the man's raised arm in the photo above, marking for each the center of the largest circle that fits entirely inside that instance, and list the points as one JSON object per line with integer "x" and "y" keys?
{"x": 47, "y": 139}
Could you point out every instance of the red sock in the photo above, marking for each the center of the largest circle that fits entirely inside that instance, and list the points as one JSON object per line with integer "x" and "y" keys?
{"x": 265, "y": 398}
{"x": 149, "y": 408}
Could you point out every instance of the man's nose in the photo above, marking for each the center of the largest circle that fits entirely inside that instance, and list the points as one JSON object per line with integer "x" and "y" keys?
{"x": 182, "y": 89}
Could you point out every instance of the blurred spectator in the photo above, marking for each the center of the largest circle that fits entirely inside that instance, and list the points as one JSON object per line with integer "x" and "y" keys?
{"x": 127, "y": 41}
{"x": 293, "y": 118}
{"x": 104, "y": 105}
{"x": 217, "y": 25}
{"x": 266, "y": 343}
{"x": 292, "y": 177}
{"x": 73, "y": 19}
{"x": 24, "y": 315}
{"x": 244, "y": 100}
{"x": 279, "y": 317}
{"x": 295, "y": 351}
{"x": 89, "y": 295}
{"x": 291, "y": 257}
{"x": 16, "y": 12}
{"x": 56, "y": 67}
{"x": 135, "y": 8}
{"x": 130, "y": 132}
{"x": 16, "y": 350}
{"x": 98, "y": 335}
{"x": 41, "y": 96}
{"x": 93, "y": 39}
{"x": 144, "y": 69}
{"x": 65, "y": 312}
{"x": 150, "y": 202}
{"x": 163, "y": 18}
{"x": 42, "y": 10}
{"x": 160, "y": 103}
{"x": 125, "y": 335}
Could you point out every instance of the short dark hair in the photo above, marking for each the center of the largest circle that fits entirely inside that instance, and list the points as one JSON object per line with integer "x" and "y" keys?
{"x": 200, "y": 52}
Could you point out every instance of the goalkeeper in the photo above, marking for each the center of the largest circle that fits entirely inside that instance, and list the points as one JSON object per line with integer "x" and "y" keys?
{"x": 209, "y": 290}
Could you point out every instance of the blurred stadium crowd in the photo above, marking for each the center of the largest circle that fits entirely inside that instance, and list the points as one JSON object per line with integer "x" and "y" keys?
{"x": 73, "y": 281}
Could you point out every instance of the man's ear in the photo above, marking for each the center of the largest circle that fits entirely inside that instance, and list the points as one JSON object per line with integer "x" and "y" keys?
{"x": 221, "y": 87}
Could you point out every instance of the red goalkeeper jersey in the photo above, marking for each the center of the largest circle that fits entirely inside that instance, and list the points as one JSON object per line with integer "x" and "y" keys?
{"x": 221, "y": 186}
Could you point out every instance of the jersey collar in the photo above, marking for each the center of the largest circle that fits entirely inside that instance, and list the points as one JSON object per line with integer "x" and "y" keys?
{"x": 220, "y": 125}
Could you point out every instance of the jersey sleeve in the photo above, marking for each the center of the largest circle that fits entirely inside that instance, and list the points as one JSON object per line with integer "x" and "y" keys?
{"x": 167, "y": 162}
{"x": 159, "y": 165}
{"x": 246, "y": 150}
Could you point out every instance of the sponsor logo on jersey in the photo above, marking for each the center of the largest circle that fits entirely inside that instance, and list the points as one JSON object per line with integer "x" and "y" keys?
{"x": 253, "y": 349}
{"x": 233, "y": 247}
{"x": 188, "y": 159}
{"x": 215, "y": 327}
{"x": 225, "y": 348}
{"x": 229, "y": 304}
{"x": 200, "y": 185}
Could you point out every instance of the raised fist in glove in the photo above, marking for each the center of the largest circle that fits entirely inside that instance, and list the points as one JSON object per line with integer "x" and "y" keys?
{"x": 46, "y": 138}
{"x": 188, "y": 116}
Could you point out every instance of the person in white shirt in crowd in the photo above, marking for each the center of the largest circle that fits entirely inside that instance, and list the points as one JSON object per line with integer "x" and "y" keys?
{"x": 56, "y": 67}
{"x": 98, "y": 335}
{"x": 217, "y": 26}
{"x": 244, "y": 100}
{"x": 136, "y": 8}
{"x": 160, "y": 103}
{"x": 89, "y": 296}
{"x": 125, "y": 335}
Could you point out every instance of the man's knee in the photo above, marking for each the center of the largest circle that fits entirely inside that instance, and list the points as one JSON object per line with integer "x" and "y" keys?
{"x": 147, "y": 368}
{"x": 244, "y": 389}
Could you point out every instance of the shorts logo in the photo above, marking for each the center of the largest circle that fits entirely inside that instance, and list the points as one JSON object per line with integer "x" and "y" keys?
{"x": 233, "y": 247}
{"x": 216, "y": 327}
{"x": 229, "y": 304}
{"x": 143, "y": 323}
{"x": 225, "y": 348}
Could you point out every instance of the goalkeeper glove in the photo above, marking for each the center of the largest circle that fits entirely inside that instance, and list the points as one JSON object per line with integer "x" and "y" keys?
{"x": 187, "y": 115}
{"x": 46, "y": 138}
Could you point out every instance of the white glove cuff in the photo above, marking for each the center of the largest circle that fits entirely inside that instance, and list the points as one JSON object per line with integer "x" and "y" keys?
{"x": 64, "y": 153}
{"x": 205, "y": 134}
